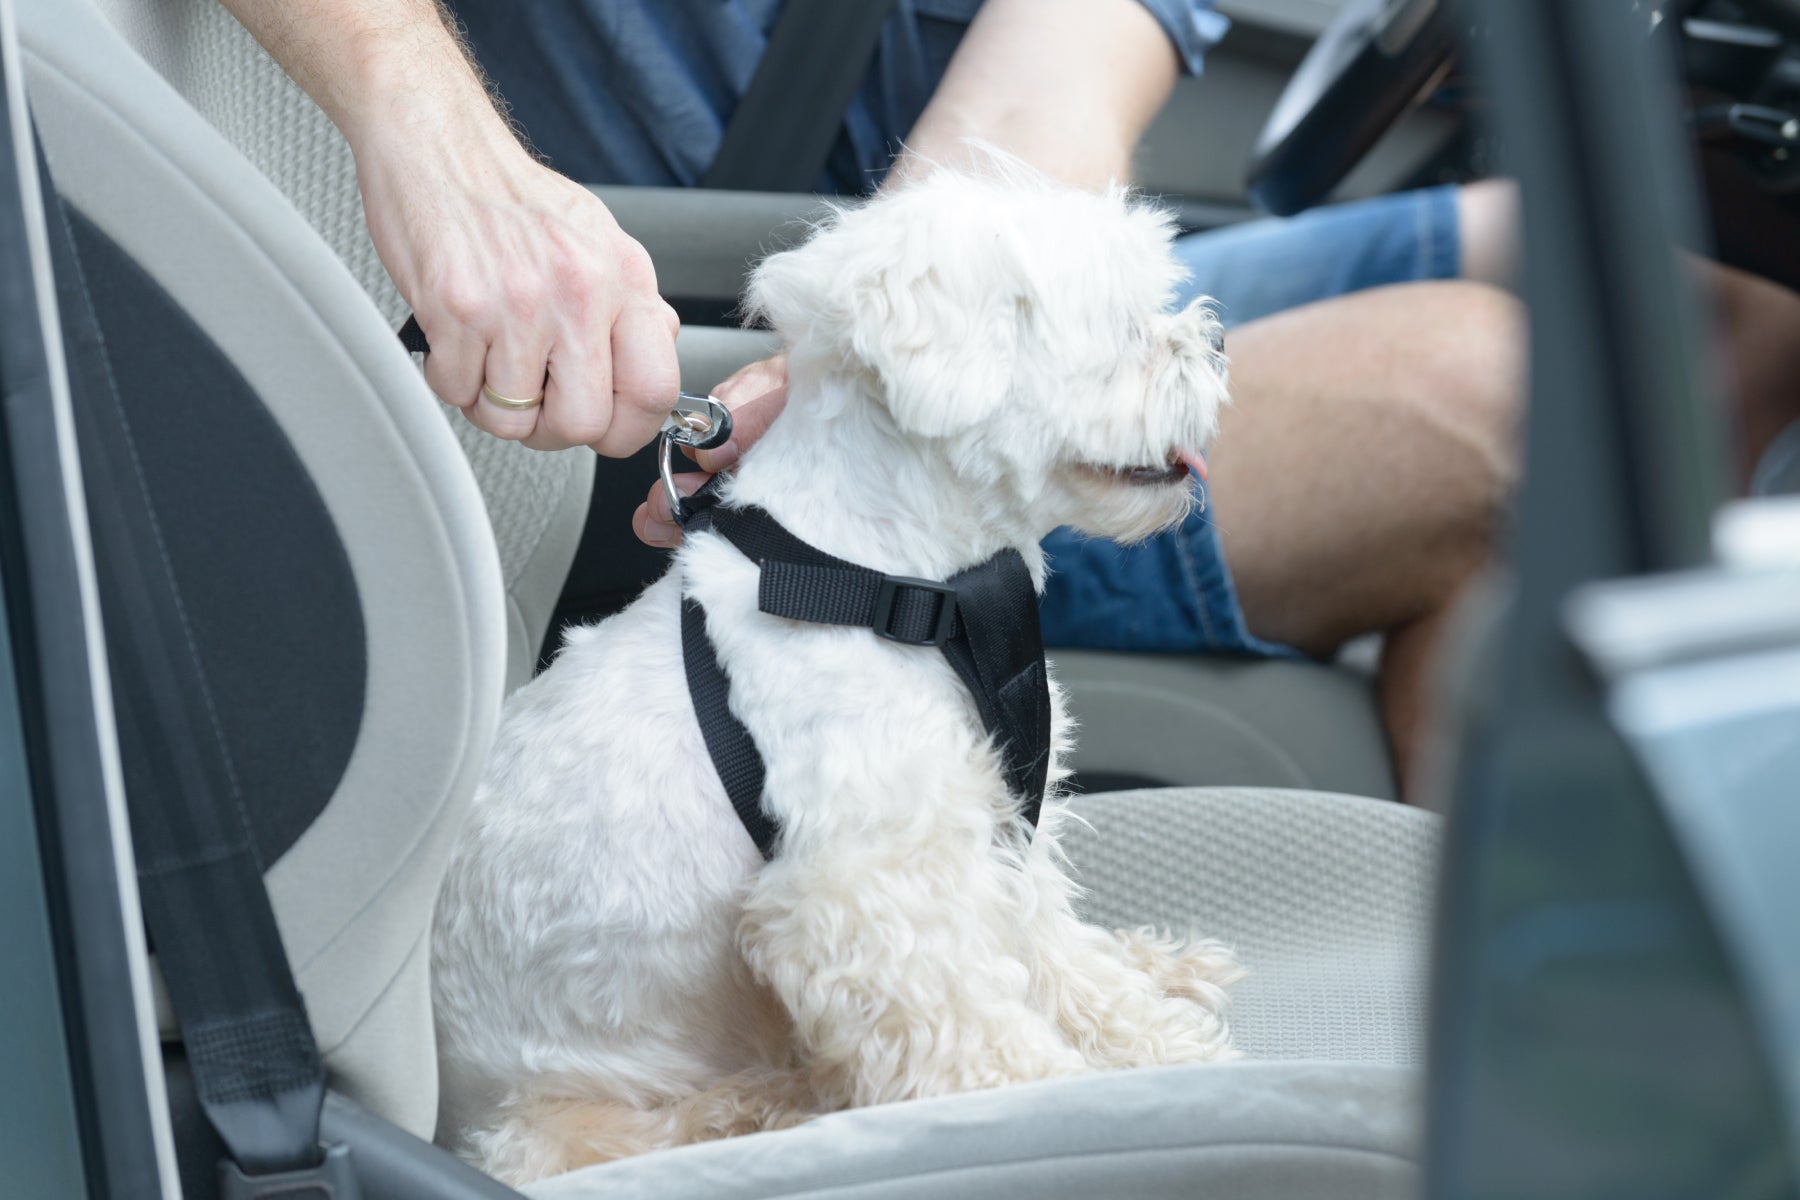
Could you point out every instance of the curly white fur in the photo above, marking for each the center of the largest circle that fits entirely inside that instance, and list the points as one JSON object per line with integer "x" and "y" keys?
{"x": 975, "y": 360}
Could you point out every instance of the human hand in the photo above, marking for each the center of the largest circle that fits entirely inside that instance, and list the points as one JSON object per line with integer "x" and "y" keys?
{"x": 522, "y": 281}
{"x": 755, "y": 395}
{"x": 519, "y": 278}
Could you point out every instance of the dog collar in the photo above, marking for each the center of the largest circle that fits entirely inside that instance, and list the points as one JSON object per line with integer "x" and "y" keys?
{"x": 983, "y": 620}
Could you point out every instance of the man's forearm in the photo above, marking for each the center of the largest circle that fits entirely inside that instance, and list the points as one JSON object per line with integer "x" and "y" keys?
{"x": 1067, "y": 85}
{"x": 374, "y": 65}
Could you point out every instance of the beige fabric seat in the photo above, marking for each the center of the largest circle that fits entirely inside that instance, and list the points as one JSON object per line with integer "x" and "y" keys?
{"x": 1327, "y": 900}
{"x": 1234, "y": 1131}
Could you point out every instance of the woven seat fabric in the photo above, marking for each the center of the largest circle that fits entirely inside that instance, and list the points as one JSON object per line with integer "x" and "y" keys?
{"x": 1328, "y": 900}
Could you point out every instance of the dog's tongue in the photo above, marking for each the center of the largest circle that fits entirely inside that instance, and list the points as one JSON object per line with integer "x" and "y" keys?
{"x": 1195, "y": 462}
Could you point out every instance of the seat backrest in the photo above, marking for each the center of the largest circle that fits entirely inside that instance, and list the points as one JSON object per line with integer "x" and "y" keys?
{"x": 301, "y": 444}
{"x": 536, "y": 502}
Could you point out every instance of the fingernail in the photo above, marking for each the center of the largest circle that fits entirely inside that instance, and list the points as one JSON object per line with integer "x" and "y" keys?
{"x": 719, "y": 459}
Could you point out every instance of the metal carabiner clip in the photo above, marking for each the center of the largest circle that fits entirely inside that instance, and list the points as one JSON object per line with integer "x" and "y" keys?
{"x": 699, "y": 422}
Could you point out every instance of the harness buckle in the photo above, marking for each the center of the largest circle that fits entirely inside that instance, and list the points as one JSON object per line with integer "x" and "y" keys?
{"x": 887, "y": 600}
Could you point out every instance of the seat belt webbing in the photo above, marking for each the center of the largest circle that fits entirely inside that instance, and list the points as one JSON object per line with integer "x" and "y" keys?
{"x": 782, "y": 131}
{"x": 256, "y": 1066}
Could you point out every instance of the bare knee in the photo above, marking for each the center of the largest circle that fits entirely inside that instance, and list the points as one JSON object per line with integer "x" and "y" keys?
{"x": 1464, "y": 364}
{"x": 1759, "y": 334}
{"x": 1462, "y": 401}
{"x": 1373, "y": 448}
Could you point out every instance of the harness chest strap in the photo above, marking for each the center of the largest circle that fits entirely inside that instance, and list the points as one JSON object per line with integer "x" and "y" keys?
{"x": 984, "y": 620}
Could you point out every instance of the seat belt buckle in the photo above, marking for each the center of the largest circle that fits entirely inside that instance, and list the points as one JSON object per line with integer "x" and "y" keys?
{"x": 332, "y": 1178}
{"x": 887, "y": 600}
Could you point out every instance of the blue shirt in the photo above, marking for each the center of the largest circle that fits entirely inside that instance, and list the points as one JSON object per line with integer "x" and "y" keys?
{"x": 639, "y": 91}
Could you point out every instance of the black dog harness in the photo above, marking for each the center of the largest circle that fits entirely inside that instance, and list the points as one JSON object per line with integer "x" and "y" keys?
{"x": 984, "y": 620}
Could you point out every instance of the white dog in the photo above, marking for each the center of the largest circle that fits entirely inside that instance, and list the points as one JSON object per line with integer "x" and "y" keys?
{"x": 974, "y": 361}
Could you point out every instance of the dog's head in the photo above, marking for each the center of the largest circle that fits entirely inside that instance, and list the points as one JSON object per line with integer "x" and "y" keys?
{"x": 1019, "y": 329}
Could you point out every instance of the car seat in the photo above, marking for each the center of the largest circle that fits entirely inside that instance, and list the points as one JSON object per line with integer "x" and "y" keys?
{"x": 1326, "y": 897}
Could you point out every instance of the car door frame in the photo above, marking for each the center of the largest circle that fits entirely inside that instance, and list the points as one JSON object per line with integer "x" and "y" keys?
{"x": 93, "y": 1119}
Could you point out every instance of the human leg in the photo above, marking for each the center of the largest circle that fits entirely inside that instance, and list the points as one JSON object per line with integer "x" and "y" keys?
{"x": 1756, "y": 322}
{"x": 1759, "y": 342}
{"x": 1356, "y": 485}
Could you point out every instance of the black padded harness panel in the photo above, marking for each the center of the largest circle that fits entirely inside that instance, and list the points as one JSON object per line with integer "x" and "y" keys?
{"x": 263, "y": 578}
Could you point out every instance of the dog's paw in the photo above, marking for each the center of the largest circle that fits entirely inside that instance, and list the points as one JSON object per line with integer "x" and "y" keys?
{"x": 539, "y": 1137}
{"x": 1191, "y": 969}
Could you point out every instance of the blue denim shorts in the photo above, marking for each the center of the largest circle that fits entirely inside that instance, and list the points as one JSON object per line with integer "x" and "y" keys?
{"x": 1174, "y": 592}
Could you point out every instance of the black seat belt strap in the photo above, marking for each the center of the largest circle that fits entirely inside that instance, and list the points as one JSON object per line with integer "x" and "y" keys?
{"x": 256, "y": 1066}
{"x": 783, "y": 128}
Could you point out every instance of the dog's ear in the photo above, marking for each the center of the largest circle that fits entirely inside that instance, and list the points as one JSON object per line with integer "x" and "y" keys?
{"x": 932, "y": 304}
{"x": 1193, "y": 356}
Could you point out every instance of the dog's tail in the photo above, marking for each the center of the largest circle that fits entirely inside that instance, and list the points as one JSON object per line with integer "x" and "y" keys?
{"x": 535, "y": 1135}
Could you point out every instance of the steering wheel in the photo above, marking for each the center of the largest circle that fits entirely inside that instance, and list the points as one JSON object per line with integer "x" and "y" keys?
{"x": 1373, "y": 62}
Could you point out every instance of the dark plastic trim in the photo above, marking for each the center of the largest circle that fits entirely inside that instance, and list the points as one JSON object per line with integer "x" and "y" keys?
{"x": 392, "y": 1164}
{"x": 1589, "y": 1034}
{"x": 65, "y": 742}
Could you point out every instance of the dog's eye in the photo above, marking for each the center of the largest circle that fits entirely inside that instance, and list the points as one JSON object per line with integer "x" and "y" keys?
{"x": 1218, "y": 339}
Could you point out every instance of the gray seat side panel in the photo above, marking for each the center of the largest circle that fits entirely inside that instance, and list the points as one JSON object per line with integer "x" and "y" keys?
{"x": 1196, "y": 721}
{"x": 705, "y": 242}
{"x": 536, "y": 503}
{"x": 532, "y": 592}
{"x": 354, "y": 895}
{"x": 1328, "y": 901}
{"x": 710, "y": 354}
{"x": 1244, "y": 1130}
